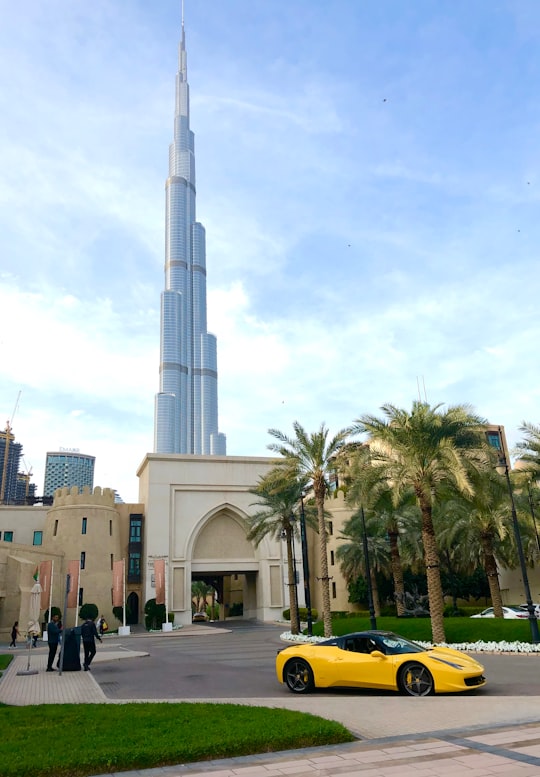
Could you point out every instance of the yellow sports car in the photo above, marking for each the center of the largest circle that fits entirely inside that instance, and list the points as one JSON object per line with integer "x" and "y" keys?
{"x": 377, "y": 659}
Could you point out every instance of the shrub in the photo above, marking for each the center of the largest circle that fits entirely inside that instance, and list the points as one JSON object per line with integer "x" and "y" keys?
{"x": 237, "y": 608}
{"x": 302, "y": 613}
{"x": 454, "y": 612}
{"x": 88, "y": 610}
{"x": 154, "y": 615}
{"x": 54, "y": 611}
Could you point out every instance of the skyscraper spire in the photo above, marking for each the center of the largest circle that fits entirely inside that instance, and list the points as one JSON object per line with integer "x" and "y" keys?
{"x": 186, "y": 412}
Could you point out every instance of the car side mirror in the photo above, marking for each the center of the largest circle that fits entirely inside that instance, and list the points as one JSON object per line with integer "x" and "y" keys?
{"x": 377, "y": 654}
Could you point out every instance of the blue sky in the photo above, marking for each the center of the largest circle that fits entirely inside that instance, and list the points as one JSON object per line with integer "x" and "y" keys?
{"x": 367, "y": 173}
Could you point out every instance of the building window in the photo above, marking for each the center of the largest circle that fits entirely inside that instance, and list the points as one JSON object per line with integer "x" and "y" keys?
{"x": 38, "y": 538}
{"x": 110, "y": 528}
{"x": 333, "y": 590}
{"x": 332, "y": 558}
{"x": 83, "y": 559}
{"x": 55, "y": 528}
{"x": 330, "y": 527}
{"x": 84, "y": 522}
{"x": 8, "y": 536}
{"x": 494, "y": 439}
{"x": 135, "y": 529}
{"x": 80, "y": 597}
{"x": 134, "y": 568}
{"x": 112, "y": 560}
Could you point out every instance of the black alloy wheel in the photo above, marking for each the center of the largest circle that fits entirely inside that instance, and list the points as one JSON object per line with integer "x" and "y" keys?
{"x": 416, "y": 680}
{"x": 298, "y": 676}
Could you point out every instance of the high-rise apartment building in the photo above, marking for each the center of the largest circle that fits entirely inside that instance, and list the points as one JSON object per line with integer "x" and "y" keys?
{"x": 10, "y": 456}
{"x": 186, "y": 407}
{"x": 68, "y": 468}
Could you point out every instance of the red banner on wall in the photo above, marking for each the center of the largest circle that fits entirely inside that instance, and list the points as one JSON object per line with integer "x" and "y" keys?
{"x": 118, "y": 584}
{"x": 45, "y": 579}
{"x": 159, "y": 575}
{"x": 73, "y": 595}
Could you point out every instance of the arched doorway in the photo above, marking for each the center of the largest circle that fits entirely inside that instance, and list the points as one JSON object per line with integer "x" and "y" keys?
{"x": 224, "y": 559}
{"x": 132, "y": 609}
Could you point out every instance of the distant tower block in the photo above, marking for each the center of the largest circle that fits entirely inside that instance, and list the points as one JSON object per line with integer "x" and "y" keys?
{"x": 68, "y": 469}
{"x": 186, "y": 407}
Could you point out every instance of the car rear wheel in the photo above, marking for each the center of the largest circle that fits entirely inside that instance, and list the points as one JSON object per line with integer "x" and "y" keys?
{"x": 416, "y": 680}
{"x": 299, "y": 676}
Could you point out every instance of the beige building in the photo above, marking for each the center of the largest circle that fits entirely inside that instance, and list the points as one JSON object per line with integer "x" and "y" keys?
{"x": 192, "y": 512}
{"x": 90, "y": 528}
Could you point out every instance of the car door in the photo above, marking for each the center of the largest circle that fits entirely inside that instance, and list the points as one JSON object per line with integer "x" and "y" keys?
{"x": 353, "y": 666}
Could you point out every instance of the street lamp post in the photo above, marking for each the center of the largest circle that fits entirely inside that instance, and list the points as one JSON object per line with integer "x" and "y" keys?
{"x": 533, "y": 623}
{"x": 372, "y": 619}
{"x": 305, "y": 566}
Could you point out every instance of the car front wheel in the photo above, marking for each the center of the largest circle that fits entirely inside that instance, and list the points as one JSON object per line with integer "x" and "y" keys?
{"x": 416, "y": 680}
{"x": 299, "y": 676}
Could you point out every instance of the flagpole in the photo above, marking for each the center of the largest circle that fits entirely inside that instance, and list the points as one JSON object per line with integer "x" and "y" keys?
{"x": 77, "y": 599}
{"x": 124, "y": 591}
{"x": 50, "y": 591}
{"x": 167, "y": 591}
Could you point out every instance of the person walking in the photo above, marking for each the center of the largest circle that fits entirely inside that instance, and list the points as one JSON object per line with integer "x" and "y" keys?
{"x": 89, "y": 633}
{"x": 14, "y": 634}
{"x": 53, "y": 638}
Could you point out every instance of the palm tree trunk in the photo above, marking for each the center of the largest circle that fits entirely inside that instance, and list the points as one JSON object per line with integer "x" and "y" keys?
{"x": 490, "y": 566}
{"x": 375, "y": 594}
{"x": 397, "y": 573}
{"x": 319, "y": 489}
{"x": 291, "y": 573}
{"x": 433, "y": 572}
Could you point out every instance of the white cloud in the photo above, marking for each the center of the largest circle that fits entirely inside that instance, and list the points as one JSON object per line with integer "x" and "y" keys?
{"x": 357, "y": 249}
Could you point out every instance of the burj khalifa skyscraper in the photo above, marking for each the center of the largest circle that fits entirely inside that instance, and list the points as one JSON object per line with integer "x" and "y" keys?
{"x": 186, "y": 408}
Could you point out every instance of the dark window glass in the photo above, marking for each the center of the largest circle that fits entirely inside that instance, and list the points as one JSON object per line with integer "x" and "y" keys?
{"x": 134, "y": 564}
{"x": 83, "y": 559}
{"x": 135, "y": 528}
{"x": 84, "y": 522}
{"x": 494, "y": 439}
{"x": 38, "y": 538}
{"x": 55, "y": 528}
{"x": 8, "y": 536}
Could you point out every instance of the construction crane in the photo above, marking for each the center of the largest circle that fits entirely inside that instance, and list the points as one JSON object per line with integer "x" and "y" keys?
{"x": 9, "y": 438}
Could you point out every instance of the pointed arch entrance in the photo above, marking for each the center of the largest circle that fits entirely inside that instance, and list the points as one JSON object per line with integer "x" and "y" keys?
{"x": 132, "y": 609}
{"x": 223, "y": 558}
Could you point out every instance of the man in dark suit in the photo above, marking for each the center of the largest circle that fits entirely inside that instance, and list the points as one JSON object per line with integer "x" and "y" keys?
{"x": 53, "y": 638}
{"x": 89, "y": 634}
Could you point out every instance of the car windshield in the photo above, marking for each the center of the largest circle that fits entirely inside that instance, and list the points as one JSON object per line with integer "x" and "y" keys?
{"x": 393, "y": 645}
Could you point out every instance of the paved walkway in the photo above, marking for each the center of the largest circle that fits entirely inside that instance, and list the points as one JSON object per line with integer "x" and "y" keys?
{"x": 474, "y": 736}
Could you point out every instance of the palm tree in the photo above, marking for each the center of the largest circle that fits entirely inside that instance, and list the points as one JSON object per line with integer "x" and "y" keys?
{"x": 423, "y": 450}
{"x": 279, "y": 492}
{"x": 529, "y": 448}
{"x": 312, "y": 456}
{"x": 200, "y": 591}
{"x": 366, "y": 485}
{"x": 477, "y": 533}
{"x": 352, "y": 558}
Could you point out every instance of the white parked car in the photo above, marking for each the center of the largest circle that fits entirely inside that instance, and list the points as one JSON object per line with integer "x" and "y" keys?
{"x": 508, "y": 612}
{"x": 536, "y": 609}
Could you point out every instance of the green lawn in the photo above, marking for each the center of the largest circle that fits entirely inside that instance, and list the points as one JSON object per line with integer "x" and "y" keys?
{"x": 5, "y": 661}
{"x": 74, "y": 740}
{"x": 456, "y": 629}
